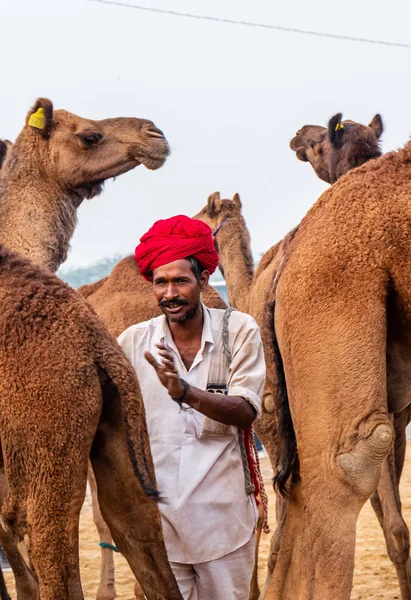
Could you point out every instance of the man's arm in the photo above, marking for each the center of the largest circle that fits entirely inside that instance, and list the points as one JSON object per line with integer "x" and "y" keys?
{"x": 230, "y": 410}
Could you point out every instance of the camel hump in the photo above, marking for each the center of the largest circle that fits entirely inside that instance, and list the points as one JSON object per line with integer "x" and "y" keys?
{"x": 88, "y": 289}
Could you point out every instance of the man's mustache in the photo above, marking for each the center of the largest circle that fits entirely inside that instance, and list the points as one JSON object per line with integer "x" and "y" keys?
{"x": 175, "y": 302}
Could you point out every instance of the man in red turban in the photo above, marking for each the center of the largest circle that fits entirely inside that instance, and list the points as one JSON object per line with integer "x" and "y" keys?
{"x": 172, "y": 239}
{"x": 202, "y": 374}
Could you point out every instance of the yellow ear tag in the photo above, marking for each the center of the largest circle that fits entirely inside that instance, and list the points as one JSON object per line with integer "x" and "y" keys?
{"x": 339, "y": 126}
{"x": 38, "y": 119}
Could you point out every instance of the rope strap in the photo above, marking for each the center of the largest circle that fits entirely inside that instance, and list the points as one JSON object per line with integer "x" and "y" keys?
{"x": 263, "y": 493}
{"x": 248, "y": 449}
{"x": 108, "y": 546}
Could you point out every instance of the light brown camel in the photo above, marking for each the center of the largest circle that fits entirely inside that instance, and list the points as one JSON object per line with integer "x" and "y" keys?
{"x": 342, "y": 321}
{"x": 67, "y": 390}
{"x": 121, "y": 299}
{"x": 386, "y": 499}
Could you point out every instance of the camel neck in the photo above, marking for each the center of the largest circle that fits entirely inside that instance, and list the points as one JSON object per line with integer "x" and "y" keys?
{"x": 237, "y": 262}
{"x": 37, "y": 218}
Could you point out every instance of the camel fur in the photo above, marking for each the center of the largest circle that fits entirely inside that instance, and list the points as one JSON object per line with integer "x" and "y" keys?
{"x": 68, "y": 391}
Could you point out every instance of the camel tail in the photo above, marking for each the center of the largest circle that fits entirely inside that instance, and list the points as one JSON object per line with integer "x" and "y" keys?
{"x": 287, "y": 460}
{"x": 124, "y": 384}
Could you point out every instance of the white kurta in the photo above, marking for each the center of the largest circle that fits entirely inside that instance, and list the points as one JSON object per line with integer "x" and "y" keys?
{"x": 206, "y": 513}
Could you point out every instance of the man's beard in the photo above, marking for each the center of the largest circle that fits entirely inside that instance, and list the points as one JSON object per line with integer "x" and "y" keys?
{"x": 186, "y": 316}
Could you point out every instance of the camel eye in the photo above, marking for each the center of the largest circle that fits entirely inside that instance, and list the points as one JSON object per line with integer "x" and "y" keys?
{"x": 91, "y": 139}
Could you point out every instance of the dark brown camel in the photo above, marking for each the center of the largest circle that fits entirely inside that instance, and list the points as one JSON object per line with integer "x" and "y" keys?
{"x": 67, "y": 390}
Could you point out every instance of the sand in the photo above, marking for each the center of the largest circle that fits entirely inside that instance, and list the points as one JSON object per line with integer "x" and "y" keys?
{"x": 374, "y": 576}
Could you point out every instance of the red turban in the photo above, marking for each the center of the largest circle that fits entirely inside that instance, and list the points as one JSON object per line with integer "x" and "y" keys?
{"x": 173, "y": 239}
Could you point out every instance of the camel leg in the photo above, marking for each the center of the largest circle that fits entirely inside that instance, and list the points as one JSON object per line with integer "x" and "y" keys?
{"x": 395, "y": 530}
{"x": 387, "y": 506}
{"x": 53, "y": 522}
{"x": 281, "y": 513}
{"x": 336, "y": 384}
{"x": 47, "y": 478}
{"x": 26, "y": 585}
{"x": 254, "y": 587}
{"x": 133, "y": 518}
{"x": 107, "y": 587}
{"x": 4, "y": 595}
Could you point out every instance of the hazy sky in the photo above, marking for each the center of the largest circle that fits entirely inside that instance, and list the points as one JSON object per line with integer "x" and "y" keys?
{"x": 228, "y": 98}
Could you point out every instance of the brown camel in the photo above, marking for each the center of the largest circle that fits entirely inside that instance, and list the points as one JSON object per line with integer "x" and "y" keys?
{"x": 386, "y": 499}
{"x": 334, "y": 150}
{"x": 67, "y": 390}
{"x": 342, "y": 318}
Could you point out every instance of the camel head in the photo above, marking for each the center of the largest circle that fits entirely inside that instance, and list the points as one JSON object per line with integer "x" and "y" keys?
{"x": 352, "y": 144}
{"x": 4, "y": 147}
{"x": 333, "y": 151}
{"x": 78, "y": 155}
{"x": 227, "y": 222}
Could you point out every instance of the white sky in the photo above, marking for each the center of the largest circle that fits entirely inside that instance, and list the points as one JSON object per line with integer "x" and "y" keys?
{"x": 229, "y": 98}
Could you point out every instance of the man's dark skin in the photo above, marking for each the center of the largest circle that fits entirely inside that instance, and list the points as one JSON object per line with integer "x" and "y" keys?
{"x": 174, "y": 283}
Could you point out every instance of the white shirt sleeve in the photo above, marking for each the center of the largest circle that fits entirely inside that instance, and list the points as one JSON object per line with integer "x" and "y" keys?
{"x": 247, "y": 369}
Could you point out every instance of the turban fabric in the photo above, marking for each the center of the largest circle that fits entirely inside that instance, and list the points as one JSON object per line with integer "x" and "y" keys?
{"x": 173, "y": 239}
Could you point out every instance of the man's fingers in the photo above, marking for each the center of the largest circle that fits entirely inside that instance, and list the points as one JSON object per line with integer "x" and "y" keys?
{"x": 166, "y": 354}
{"x": 150, "y": 358}
{"x": 169, "y": 365}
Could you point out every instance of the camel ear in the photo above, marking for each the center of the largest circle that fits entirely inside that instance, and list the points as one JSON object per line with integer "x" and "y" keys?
{"x": 377, "y": 125}
{"x": 40, "y": 117}
{"x": 336, "y": 130}
{"x": 237, "y": 201}
{"x": 4, "y": 146}
{"x": 213, "y": 204}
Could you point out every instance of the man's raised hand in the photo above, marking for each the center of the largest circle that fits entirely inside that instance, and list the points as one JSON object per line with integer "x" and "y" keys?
{"x": 166, "y": 371}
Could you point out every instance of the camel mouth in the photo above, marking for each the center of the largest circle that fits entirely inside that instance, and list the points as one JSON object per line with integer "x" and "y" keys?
{"x": 154, "y": 158}
{"x": 294, "y": 143}
{"x": 153, "y": 162}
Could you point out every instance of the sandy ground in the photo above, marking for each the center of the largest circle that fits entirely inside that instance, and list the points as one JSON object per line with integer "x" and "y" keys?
{"x": 374, "y": 576}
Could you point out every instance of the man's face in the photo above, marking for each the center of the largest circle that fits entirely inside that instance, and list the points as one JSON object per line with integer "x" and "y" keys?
{"x": 177, "y": 290}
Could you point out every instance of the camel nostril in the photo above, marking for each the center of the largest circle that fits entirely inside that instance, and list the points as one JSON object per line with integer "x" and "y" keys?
{"x": 154, "y": 132}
